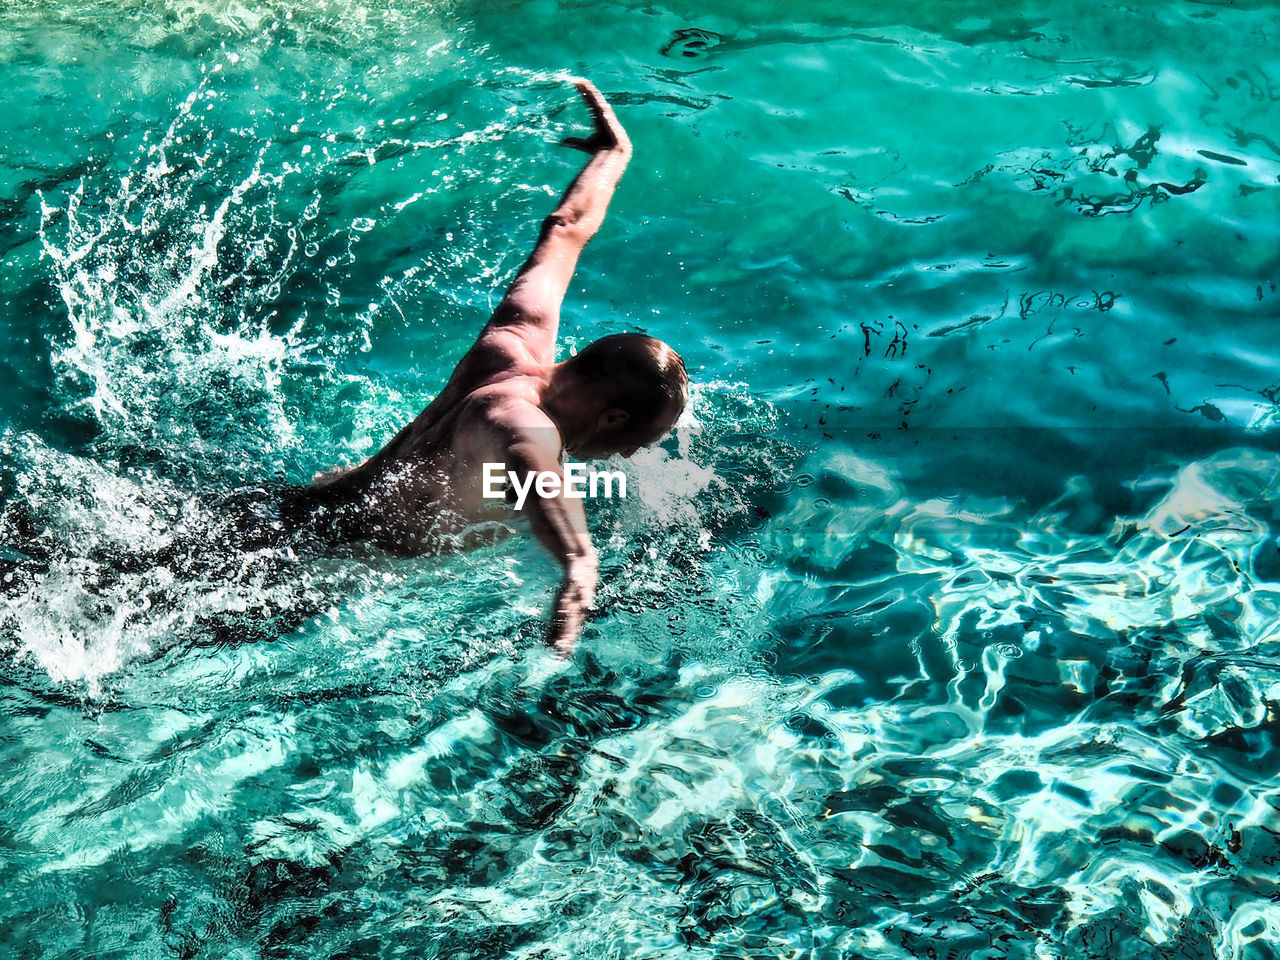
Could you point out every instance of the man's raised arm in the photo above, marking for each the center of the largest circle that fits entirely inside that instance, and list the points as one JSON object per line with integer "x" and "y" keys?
{"x": 533, "y": 302}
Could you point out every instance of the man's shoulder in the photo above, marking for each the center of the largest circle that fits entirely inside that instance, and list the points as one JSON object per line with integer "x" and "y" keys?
{"x": 511, "y": 404}
{"x": 501, "y": 348}
{"x": 508, "y": 412}
{"x": 495, "y": 367}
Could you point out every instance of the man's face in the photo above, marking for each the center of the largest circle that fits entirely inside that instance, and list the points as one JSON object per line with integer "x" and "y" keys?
{"x": 631, "y": 441}
{"x": 624, "y": 440}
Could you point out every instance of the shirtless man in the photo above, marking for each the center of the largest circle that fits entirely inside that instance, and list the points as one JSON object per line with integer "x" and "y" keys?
{"x": 508, "y": 401}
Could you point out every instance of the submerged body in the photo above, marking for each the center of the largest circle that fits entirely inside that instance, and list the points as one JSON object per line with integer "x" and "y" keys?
{"x": 509, "y": 402}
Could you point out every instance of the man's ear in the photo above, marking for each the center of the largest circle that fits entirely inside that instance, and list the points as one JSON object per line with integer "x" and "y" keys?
{"x": 613, "y": 418}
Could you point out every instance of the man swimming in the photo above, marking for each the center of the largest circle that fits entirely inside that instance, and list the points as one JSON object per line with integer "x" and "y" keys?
{"x": 509, "y": 402}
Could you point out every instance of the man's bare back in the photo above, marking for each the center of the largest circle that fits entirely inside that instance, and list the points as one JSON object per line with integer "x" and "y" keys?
{"x": 509, "y": 402}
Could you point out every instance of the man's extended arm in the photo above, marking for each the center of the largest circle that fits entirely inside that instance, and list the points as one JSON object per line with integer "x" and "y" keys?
{"x": 532, "y": 304}
{"x": 560, "y": 523}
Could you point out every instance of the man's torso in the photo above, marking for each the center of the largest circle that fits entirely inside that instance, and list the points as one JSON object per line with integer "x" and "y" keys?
{"x": 424, "y": 491}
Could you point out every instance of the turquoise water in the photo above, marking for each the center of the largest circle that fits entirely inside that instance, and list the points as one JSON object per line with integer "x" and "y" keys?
{"x": 945, "y": 625}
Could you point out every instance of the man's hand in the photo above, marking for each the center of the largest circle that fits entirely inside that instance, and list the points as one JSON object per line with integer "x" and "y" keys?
{"x": 609, "y": 134}
{"x": 577, "y": 594}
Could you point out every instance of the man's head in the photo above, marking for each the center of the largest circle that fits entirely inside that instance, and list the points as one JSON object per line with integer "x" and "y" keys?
{"x": 620, "y": 393}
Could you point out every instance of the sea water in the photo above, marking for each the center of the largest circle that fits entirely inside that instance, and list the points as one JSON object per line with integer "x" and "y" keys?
{"x": 945, "y": 624}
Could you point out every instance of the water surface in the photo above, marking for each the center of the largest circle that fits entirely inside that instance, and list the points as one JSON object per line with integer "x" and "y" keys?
{"x": 945, "y": 624}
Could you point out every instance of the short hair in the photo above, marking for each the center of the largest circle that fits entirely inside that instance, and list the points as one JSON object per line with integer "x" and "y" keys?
{"x": 636, "y": 373}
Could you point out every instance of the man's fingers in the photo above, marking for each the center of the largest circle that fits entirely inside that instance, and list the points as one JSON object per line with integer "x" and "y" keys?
{"x": 563, "y": 637}
{"x": 609, "y": 133}
{"x": 589, "y": 91}
{"x": 595, "y": 101}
